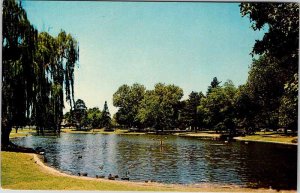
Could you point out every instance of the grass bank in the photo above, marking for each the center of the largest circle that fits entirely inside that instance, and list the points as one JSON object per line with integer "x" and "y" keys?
{"x": 20, "y": 171}
{"x": 21, "y": 133}
{"x": 270, "y": 137}
{"x": 25, "y": 172}
{"x": 200, "y": 134}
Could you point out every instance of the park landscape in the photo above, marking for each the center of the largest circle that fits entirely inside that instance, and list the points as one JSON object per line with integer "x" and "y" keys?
{"x": 144, "y": 96}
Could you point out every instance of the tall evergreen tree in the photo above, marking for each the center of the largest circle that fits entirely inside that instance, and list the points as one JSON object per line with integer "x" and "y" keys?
{"x": 79, "y": 113}
{"x": 214, "y": 84}
{"x": 218, "y": 108}
{"x": 106, "y": 119}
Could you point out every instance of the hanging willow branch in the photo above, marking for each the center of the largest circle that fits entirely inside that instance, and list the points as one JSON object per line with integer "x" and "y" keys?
{"x": 37, "y": 69}
{"x": 57, "y": 58}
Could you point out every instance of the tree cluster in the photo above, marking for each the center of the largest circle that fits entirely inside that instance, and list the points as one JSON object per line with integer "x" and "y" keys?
{"x": 272, "y": 84}
{"x": 269, "y": 98}
{"x": 163, "y": 107}
{"x": 83, "y": 118}
{"x": 141, "y": 108}
{"x": 37, "y": 73}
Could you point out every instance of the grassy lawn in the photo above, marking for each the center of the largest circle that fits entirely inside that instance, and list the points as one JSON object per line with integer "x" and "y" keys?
{"x": 21, "y": 133}
{"x": 268, "y": 137}
{"x": 205, "y": 134}
{"x": 19, "y": 171}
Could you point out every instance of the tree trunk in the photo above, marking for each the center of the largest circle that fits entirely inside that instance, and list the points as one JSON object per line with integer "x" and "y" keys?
{"x": 5, "y": 131}
{"x": 42, "y": 131}
{"x": 285, "y": 131}
{"x": 58, "y": 128}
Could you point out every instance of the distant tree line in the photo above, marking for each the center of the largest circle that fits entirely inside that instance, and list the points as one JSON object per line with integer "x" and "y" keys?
{"x": 83, "y": 118}
{"x": 37, "y": 73}
{"x": 268, "y": 99}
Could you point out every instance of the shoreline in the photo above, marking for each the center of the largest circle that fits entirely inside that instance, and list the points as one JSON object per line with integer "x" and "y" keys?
{"x": 205, "y": 187}
{"x": 216, "y": 136}
{"x": 261, "y": 141}
{"x": 200, "y": 135}
{"x": 203, "y": 135}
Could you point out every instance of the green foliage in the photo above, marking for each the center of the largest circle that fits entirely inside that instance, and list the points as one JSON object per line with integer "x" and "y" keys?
{"x": 265, "y": 86}
{"x": 288, "y": 111}
{"x": 246, "y": 109}
{"x": 282, "y": 39}
{"x": 18, "y": 50}
{"x": 269, "y": 80}
{"x": 188, "y": 113}
{"x": 105, "y": 118}
{"x": 94, "y": 116}
{"x": 37, "y": 69}
{"x": 217, "y": 108}
{"x": 214, "y": 84}
{"x": 158, "y": 108}
{"x": 55, "y": 58}
{"x": 79, "y": 114}
{"x": 68, "y": 118}
{"x": 128, "y": 99}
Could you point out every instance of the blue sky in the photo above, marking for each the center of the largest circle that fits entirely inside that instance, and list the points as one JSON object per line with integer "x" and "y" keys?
{"x": 186, "y": 44}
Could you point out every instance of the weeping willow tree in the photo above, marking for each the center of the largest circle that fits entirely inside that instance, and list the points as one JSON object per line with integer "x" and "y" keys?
{"x": 37, "y": 73}
{"x": 18, "y": 51}
{"x": 54, "y": 64}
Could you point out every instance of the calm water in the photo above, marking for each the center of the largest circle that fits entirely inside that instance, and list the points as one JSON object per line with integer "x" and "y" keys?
{"x": 179, "y": 160}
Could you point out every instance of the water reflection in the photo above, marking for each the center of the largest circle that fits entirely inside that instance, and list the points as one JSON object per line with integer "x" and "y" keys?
{"x": 177, "y": 160}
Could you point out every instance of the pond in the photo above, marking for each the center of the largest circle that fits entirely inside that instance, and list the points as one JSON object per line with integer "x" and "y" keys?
{"x": 179, "y": 160}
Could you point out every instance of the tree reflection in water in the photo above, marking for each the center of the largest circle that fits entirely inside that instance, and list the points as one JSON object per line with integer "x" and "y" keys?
{"x": 176, "y": 160}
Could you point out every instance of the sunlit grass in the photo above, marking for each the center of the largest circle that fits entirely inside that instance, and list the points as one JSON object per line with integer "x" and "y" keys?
{"x": 269, "y": 137}
{"x": 19, "y": 171}
{"x": 206, "y": 134}
{"x": 21, "y": 132}
{"x": 259, "y": 136}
